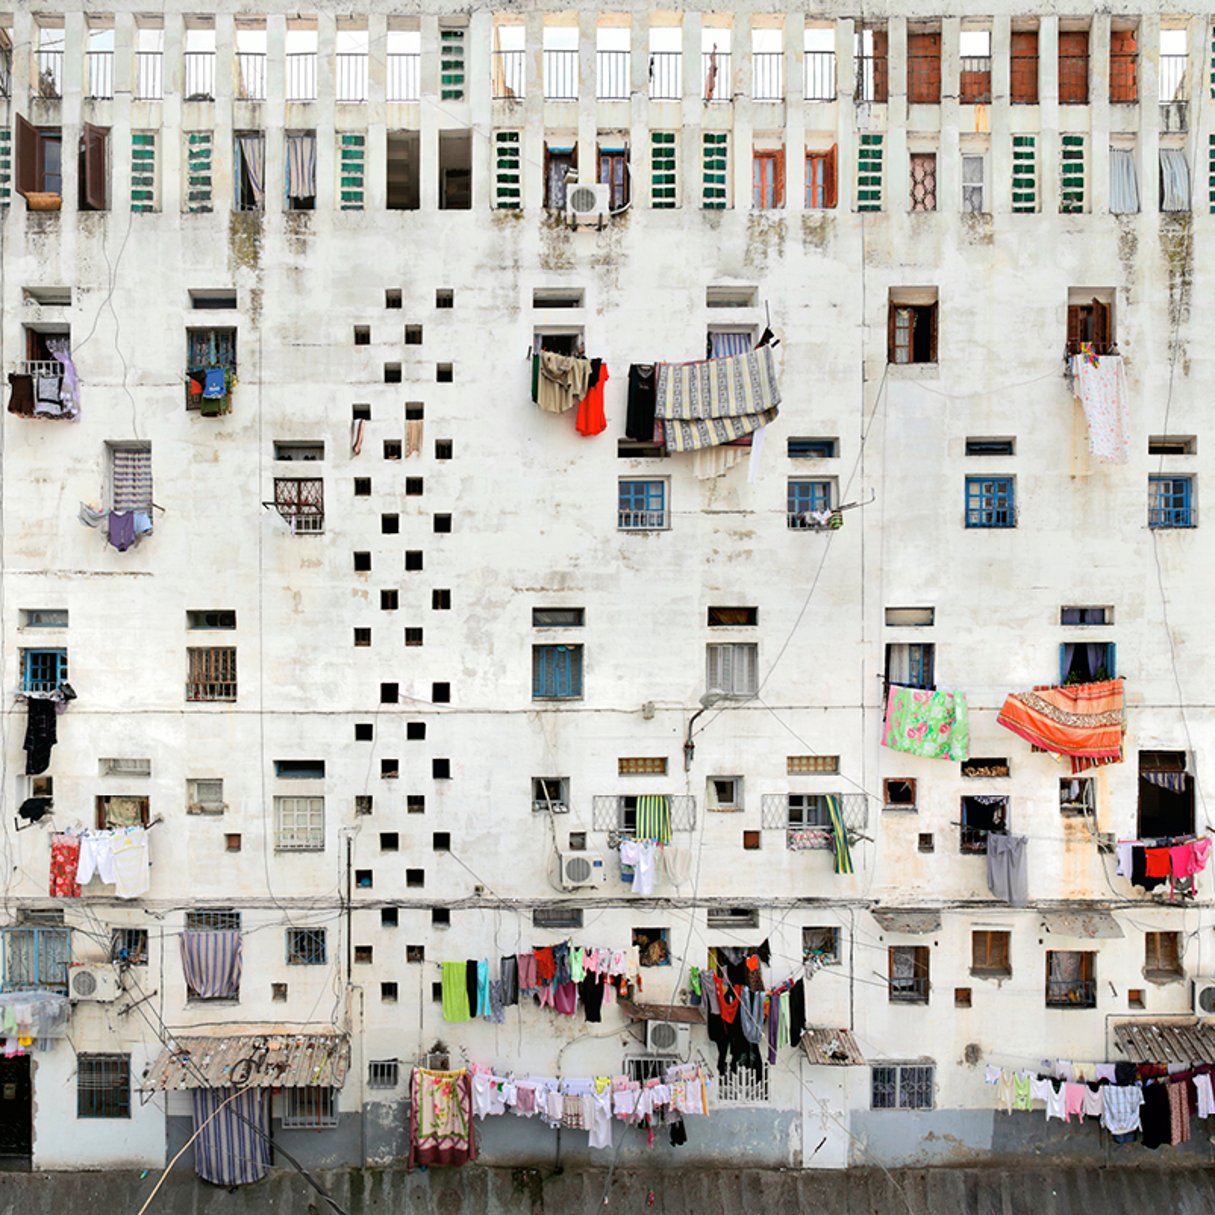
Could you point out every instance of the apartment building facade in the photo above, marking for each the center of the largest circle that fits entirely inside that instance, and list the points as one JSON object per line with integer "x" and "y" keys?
{"x": 387, "y": 650}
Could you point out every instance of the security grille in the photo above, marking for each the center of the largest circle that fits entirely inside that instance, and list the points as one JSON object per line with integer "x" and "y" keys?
{"x": 383, "y": 1073}
{"x": 309, "y": 1108}
{"x": 103, "y": 1086}
{"x": 613, "y": 813}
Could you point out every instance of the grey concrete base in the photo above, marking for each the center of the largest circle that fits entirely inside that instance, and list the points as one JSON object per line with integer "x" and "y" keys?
{"x": 476, "y": 1190}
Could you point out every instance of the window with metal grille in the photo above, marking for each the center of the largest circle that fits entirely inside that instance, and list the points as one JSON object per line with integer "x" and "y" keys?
{"x": 732, "y": 668}
{"x": 309, "y": 1108}
{"x": 869, "y": 173}
{"x": 383, "y": 1073}
{"x": 1024, "y": 174}
{"x": 36, "y": 957}
{"x": 306, "y": 947}
{"x": 808, "y": 504}
{"x": 641, "y": 505}
{"x": 901, "y": 1086}
{"x": 299, "y": 824}
{"x": 1071, "y": 979}
{"x": 129, "y": 946}
{"x": 663, "y": 181}
{"x": 43, "y": 670}
{"x": 1073, "y": 67}
{"x": 1170, "y": 502}
{"x": 647, "y": 1067}
{"x": 808, "y": 810}
{"x": 923, "y": 181}
{"x": 1078, "y": 795}
{"x": 990, "y": 502}
{"x": 1023, "y": 67}
{"x": 214, "y": 919}
{"x": 557, "y": 917}
{"x": 795, "y": 764}
{"x": 211, "y": 674}
{"x": 556, "y": 672}
{"x": 911, "y": 664}
{"x": 641, "y": 765}
{"x": 715, "y": 163}
{"x": 743, "y": 1085}
{"x": 301, "y": 501}
{"x": 114, "y": 811}
{"x": 908, "y": 974}
{"x": 103, "y": 1086}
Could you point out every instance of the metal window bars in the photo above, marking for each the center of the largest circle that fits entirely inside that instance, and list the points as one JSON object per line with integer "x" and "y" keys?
{"x": 212, "y": 674}
{"x": 35, "y": 957}
{"x": 404, "y": 77}
{"x": 767, "y": 75}
{"x": 215, "y": 919}
{"x": 149, "y": 76}
{"x": 200, "y": 75}
{"x": 743, "y": 1085}
{"x": 351, "y": 82}
{"x": 509, "y": 75}
{"x": 612, "y": 75}
{"x": 103, "y": 1086}
{"x": 306, "y": 947}
{"x": 715, "y": 76}
{"x": 974, "y": 83}
{"x": 820, "y": 76}
{"x": 612, "y": 812}
{"x": 854, "y": 809}
{"x": 560, "y": 75}
{"x": 101, "y": 75}
{"x": 301, "y": 76}
{"x": 50, "y": 73}
{"x": 250, "y": 76}
{"x": 664, "y": 73}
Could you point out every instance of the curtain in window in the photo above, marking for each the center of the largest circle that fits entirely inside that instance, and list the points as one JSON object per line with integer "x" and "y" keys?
{"x": 898, "y": 665}
{"x": 228, "y": 1150}
{"x": 253, "y": 158}
{"x": 1124, "y": 187}
{"x": 301, "y": 166}
{"x": 723, "y": 345}
{"x": 1064, "y": 967}
{"x": 1175, "y": 180}
{"x": 212, "y": 962}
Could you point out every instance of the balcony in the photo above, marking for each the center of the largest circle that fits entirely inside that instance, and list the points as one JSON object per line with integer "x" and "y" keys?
{"x": 250, "y": 76}
{"x": 509, "y": 74}
{"x": 820, "y": 75}
{"x": 404, "y": 77}
{"x": 50, "y": 74}
{"x": 200, "y": 75}
{"x": 560, "y": 75}
{"x": 715, "y": 76}
{"x": 1071, "y": 993}
{"x": 665, "y": 84}
{"x": 101, "y": 75}
{"x": 149, "y": 76}
{"x": 768, "y": 76}
{"x": 351, "y": 78}
{"x": 612, "y": 75}
{"x": 301, "y": 76}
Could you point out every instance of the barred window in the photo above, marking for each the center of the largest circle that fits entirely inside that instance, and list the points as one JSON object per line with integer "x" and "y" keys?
{"x": 103, "y": 1086}
{"x": 218, "y": 919}
{"x": 901, "y": 1086}
{"x": 306, "y": 947}
{"x": 131, "y": 477}
{"x": 301, "y": 501}
{"x": 129, "y": 946}
{"x": 309, "y": 1108}
{"x": 299, "y": 824}
{"x": 212, "y": 673}
{"x": 383, "y": 1073}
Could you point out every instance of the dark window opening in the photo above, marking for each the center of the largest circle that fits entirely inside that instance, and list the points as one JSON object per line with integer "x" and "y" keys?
{"x": 908, "y": 974}
{"x": 911, "y": 333}
{"x": 404, "y": 153}
{"x": 1086, "y": 662}
{"x": 1089, "y": 323}
{"x": 982, "y": 816}
{"x": 722, "y": 617}
{"x": 1166, "y": 795}
{"x": 1071, "y": 979}
{"x": 455, "y": 170}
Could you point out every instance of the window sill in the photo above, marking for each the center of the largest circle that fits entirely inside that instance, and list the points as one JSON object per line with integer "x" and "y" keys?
{"x": 1161, "y": 978}
{"x": 914, "y": 371}
{"x": 1065, "y": 1007}
{"x": 900, "y": 809}
{"x": 920, "y": 1000}
{"x": 212, "y": 1001}
{"x": 978, "y": 973}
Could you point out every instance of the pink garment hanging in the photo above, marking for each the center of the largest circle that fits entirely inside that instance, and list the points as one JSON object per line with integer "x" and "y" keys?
{"x": 1073, "y": 1101}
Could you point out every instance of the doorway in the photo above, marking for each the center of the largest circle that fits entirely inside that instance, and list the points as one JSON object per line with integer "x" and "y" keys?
{"x": 16, "y": 1113}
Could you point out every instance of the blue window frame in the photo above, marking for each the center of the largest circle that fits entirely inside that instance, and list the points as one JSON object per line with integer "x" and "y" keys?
{"x": 990, "y": 502}
{"x": 1170, "y": 501}
{"x": 811, "y": 449}
{"x": 642, "y": 505}
{"x": 806, "y": 498}
{"x": 1087, "y": 661}
{"x": 43, "y": 670}
{"x": 911, "y": 664}
{"x": 556, "y": 672}
{"x": 36, "y": 957}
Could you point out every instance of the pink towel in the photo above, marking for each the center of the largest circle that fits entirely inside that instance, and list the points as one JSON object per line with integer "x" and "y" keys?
{"x": 1073, "y": 1101}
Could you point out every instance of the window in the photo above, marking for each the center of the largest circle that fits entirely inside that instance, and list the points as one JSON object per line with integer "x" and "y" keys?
{"x": 898, "y": 793}
{"x": 304, "y": 451}
{"x": 978, "y": 767}
{"x": 808, "y": 810}
{"x": 301, "y": 171}
{"x": 301, "y": 501}
{"x": 131, "y": 478}
{"x": 1086, "y": 662}
{"x": 911, "y": 332}
{"x": 1162, "y": 956}
{"x": 654, "y": 945}
{"x": 812, "y": 448}
{"x": 383, "y": 1073}
{"x": 455, "y": 170}
{"x": 911, "y": 664}
{"x": 923, "y": 181}
{"x": 404, "y": 177}
{"x": 306, "y": 947}
{"x": 1071, "y": 182}
{"x": 821, "y": 945}
{"x": 1071, "y": 979}
{"x": 559, "y": 164}
{"x": 557, "y": 917}
{"x": 768, "y": 179}
{"x": 1089, "y": 322}
{"x": 982, "y": 815}
{"x": 217, "y": 619}
{"x": 872, "y": 72}
{"x": 299, "y": 824}
{"x": 664, "y": 185}
{"x": 973, "y": 173}
{"x": 113, "y": 811}
{"x": 413, "y": 637}
{"x": 733, "y": 917}
{"x": 551, "y": 793}
{"x": 125, "y": 767}
{"x": 715, "y": 178}
{"x": 43, "y": 670}
{"x": 103, "y": 1086}
{"x": 1023, "y": 67}
{"x": 908, "y": 974}
{"x": 129, "y": 946}
{"x": 804, "y": 765}
{"x": 556, "y": 672}
{"x": 641, "y": 765}
{"x": 808, "y": 504}
{"x": 211, "y": 673}
{"x": 1073, "y": 67}
{"x": 822, "y": 176}
{"x": 641, "y": 505}
{"x": 725, "y": 793}
{"x": 362, "y": 637}
{"x": 1164, "y": 445}
{"x": 990, "y": 502}
{"x": 309, "y": 1108}
{"x": 440, "y": 769}
{"x": 36, "y": 957}
{"x": 901, "y": 1086}
{"x": 1078, "y": 795}
{"x": 39, "y": 159}
{"x": 869, "y": 173}
{"x": 249, "y": 160}
{"x": 923, "y": 68}
{"x": 910, "y": 617}
{"x": 732, "y": 668}
{"x": 614, "y": 173}
{"x": 1024, "y": 174}
{"x": 991, "y": 447}
{"x": 1166, "y": 795}
{"x": 363, "y": 803}
{"x": 213, "y": 920}
{"x": 44, "y": 618}
{"x": 729, "y": 617}
{"x": 207, "y": 349}
{"x": 1170, "y": 502}
{"x": 989, "y": 952}
{"x": 551, "y": 618}
{"x": 445, "y": 297}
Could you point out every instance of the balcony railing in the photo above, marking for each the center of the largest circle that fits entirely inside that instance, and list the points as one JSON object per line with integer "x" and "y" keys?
{"x": 612, "y": 75}
{"x": 820, "y": 75}
{"x": 715, "y": 86}
{"x": 641, "y": 520}
{"x": 211, "y": 690}
{"x": 872, "y": 79}
{"x": 923, "y": 79}
{"x": 560, "y": 75}
{"x": 251, "y": 76}
{"x": 509, "y": 74}
{"x": 301, "y": 76}
{"x": 40, "y": 367}
{"x": 200, "y": 75}
{"x": 974, "y": 83}
{"x": 1173, "y": 83}
{"x": 768, "y": 76}
{"x": 404, "y": 77}
{"x": 1071, "y": 993}
{"x": 665, "y": 84}
{"x": 149, "y": 76}
{"x": 351, "y": 80}
{"x": 101, "y": 75}
{"x": 308, "y": 525}
{"x": 50, "y": 74}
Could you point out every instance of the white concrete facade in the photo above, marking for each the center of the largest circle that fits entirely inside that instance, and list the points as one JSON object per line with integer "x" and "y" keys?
{"x": 532, "y": 506}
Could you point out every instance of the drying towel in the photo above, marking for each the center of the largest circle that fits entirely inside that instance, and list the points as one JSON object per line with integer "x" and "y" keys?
{"x": 440, "y": 1118}
{"x": 214, "y": 384}
{"x": 455, "y": 992}
{"x": 1007, "y": 878}
{"x": 1084, "y": 720}
{"x": 933, "y": 725}
{"x": 716, "y": 401}
{"x": 1100, "y": 387}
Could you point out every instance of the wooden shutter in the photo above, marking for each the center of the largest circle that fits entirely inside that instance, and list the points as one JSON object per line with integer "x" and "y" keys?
{"x": 778, "y": 187}
{"x": 93, "y": 146}
{"x": 934, "y": 310}
{"x": 1075, "y": 327}
{"x": 891, "y": 312}
{"x": 830, "y": 178}
{"x": 1101, "y": 327}
{"x": 27, "y": 179}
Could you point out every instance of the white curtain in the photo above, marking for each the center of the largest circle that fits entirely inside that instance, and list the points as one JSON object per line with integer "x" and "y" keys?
{"x": 253, "y": 157}
{"x": 1174, "y": 180}
{"x": 301, "y": 166}
{"x": 1124, "y": 187}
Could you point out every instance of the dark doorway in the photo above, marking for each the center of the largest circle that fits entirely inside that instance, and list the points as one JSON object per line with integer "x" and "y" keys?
{"x": 16, "y": 1113}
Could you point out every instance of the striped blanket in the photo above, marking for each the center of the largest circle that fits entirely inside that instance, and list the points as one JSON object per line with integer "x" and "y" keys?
{"x": 1084, "y": 721}
{"x": 654, "y": 818}
{"x": 710, "y": 403}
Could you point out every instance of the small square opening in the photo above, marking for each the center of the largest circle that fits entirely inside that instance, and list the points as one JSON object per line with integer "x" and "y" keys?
{"x": 440, "y": 693}
{"x": 392, "y": 373}
{"x": 390, "y": 525}
{"x": 440, "y": 769}
{"x": 363, "y": 955}
{"x": 388, "y": 992}
{"x": 278, "y": 993}
{"x": 364, "y": 731}
{"x": 390, "y": 841}
{"x": 392, "y": 298}
{"x": 415, "y": 731}
{"x": 442, "y": 841}
{"x": 362, "y": 487}
{"x": 444, "y": 373}
{"x": 362, "y": 637}
{"x": 413, "y": 487}
{"x": 415, "y": 877}
{"x": 392, "y": 449}
{"x": 364, "y": 879}
{"x": 445, "y": 297}
{"x": 362, "y": 335}
{"x": 925, "y": 842}
{"x": 361, "y": 412}
{"x": 443, "y": 449}
{"x": 415, "y": 953}
{"x": 362, "y": 563}
{"x": 442, "y": 524}
{"x": 961, "y": 997}
{"x": 232, "y": 841}
{"x": 413, "y": 637}
{"x": 413, "y": 335}
{"x": 751, "y": 841}
{"x": 415, "y": 803}
{"x": 390, "y": 769}
{"x": 413, "y": 559}
{"x": 390, "y": 917}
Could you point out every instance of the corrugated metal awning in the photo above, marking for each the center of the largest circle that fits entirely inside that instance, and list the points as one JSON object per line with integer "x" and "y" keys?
{"x": 905, "y": 920}
{"x": 831, "y": 1047}
{"x": 270, "y": 1060}
{"x": 661, "y": 1012}
{"x": 1092, "y": 925}
{"x": 1165, "y": 1041}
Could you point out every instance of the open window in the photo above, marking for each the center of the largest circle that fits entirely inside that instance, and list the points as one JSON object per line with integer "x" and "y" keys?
{"x": 404, "y": 170}
{"x": 455, "y": 170}
{"x": 1086, "y": 661}
{"x": 39, "y": 164}
{"x": 613, "y": 172}
{"x": 982, "y": 815}
{"x": 120, "y": 811}
{"x": 1090, "y": 319}
{"x": 911, "y": 326}
{"x": 94, "y": 170}
{"x": 908, "y": 974}
{"x": 1166, "y": 795}
{"x": 923, "y": 67}
{"x": 560, "y": 163}
{"x": 822, "y": 175}
{"x": 210, "y": 370}
{"x": 911, "y": 664}
{"x": 768, "y": 179}
{"x": 1071, "y": 979}
{"x": 301, "y": 171}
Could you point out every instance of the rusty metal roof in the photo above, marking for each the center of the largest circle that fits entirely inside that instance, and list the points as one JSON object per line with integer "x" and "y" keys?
{"x": 661, "y": 1012}
{"x": 1165, "y": 1041}
{"x": 266, "y": 1060}
{"x": 907, "y": 919}
{"x": 831, "y": 1047}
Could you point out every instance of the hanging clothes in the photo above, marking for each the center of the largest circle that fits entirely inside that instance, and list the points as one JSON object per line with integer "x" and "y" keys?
{"x": 1007, "y": 870}
{"x": 1100, "y": 386}
{"x": 21, "y": 395}
{"x": 653, "y": 818}
{"x": 1083, "y": 721}
{"x": 455, "y": 991}
{"x": 413, "y": 437}
{"x": 1124, "y": 185}
{"x": 563, "y": 381}
{"x": 121, "y": 530}
{"x": 716, "y": 401}
{"x": 933, "y": 725}
{"x": 440, "y": 1118}
{"x": 65, "y": 860}
{"x": 639, "y": 422}
{"x": 591, "y": 420}
{"x": 41, "y": 734}
{"x": 132, "y": 876}
{"x": 1157, "y": 1116}
{"x": 233, "y": 1144}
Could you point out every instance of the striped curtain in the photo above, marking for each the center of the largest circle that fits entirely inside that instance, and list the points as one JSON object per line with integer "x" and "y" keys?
{"x": 654, "y": 818}
{"x": 228, "y": 1151}
{"x": 839, "y": 837}
{"x": 301, "y": 166}
{"x": 723, "y": 345}
{"x": 131, "y": 474}
{"x": 212, "y": 963}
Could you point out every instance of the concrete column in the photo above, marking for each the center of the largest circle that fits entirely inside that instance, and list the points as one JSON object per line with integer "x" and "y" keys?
{"x": 690, "y": 157}
{"x": 1049, "y": 148}
{"x": 1149, "y": 115}
{"x": 1099, "y": 114}
{"x": 75, "y": 38}
{"x": 171, "y": 146}
{"x": 999, "y": 116}
{"x": 742, "y": 137}
{"x": 120, "y": 110}
{"x": 531, "y": 114}
{"x": 124, "y": 55}
{"x": 588, "y": 103}
{"x": 428, "y": 140}
{"x": 795, "y": 112}
{"x": 478, "y": 70}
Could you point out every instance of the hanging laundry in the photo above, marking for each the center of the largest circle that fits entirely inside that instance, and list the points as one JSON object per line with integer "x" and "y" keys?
{"x": 214, "y": 383}
{"x": 413, "y": 437}
{"x": 653, "y": 818}
{"x": 65, "y": 860}
{"x": 69, "y": 391}
{"x": 591, "y": 420}
{"x": 933, "y": 725}
{"x": 212, "y": 963}
{"x": 35, "y": 809}
{"x": 840, "y": 851}
{"x": 129, "y": 849}
{"x": 639, "y": 421}
{"x": 1099, "y": 384}
{"x": 440, "y": 1118}
{"x": 639, "y": 855}
{"x": 455, "y": 991}
{"x": 563, "y": 381}
{"x": 21, "y": 395}
{"x": 229, "y": 1150}
{"x": 41, "y": 734}
{"x": 1083, "y": 721}
{"x": 716, "y": 401}
{"x": 121, "y": 531}
{"x": 1007, "y": 870}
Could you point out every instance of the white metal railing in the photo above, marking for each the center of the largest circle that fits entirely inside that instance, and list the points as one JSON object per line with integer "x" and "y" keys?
{"x": 404, "y": 77}
{"x": 612, "y": 75}
{"x": 50, "y": 74}
{"x": 307, "y": 525}
{"x": 820, "y": 75}
{"x": 641, "y": 520}
{"x": 351, "y": 82}
{"x": 301, "y": 76}
{"x": 40, "y": 367}
{"x": 101, "y": 74}
{"x": 509, "y": 74}
{"x": 665, "y": 84}
{"x": 149, "y": 76}
{"x": 200, "y": 75}
{"x": 768, "y": 76}
{"x": 561, "y": 75}
{"x": 715, "y": 76}
{"x": 251, "y": 76}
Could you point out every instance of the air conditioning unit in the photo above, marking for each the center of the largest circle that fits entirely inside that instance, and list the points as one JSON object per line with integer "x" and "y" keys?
{"x": 667, "y": 1037}
{"x": 582, "y": 869}
{"x": 588, "y": 202}
{"x": 1204, "y": 997}
{"x": 98, "y": 983}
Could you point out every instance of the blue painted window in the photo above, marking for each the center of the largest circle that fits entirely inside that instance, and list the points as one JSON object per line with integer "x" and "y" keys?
{"x": 556, "y": 672}
{"x": 1170, "y": 501}
{"x": 806, "y": 498}
{"x": 911, "y": 664}
{"x": 36, "y": 957}
{"x": 43, "y": 670}
{"x": 642, "y": 505}
{"x": 990, "y": 502}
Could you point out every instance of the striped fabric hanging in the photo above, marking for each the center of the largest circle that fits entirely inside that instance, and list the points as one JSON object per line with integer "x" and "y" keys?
{"x": 212, "y": 962}
{"x": 839, "y": 837}
{"x": 131, "y": 473}
{"x": 228, "y": 1150}
{"x": 654, "y": 818}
